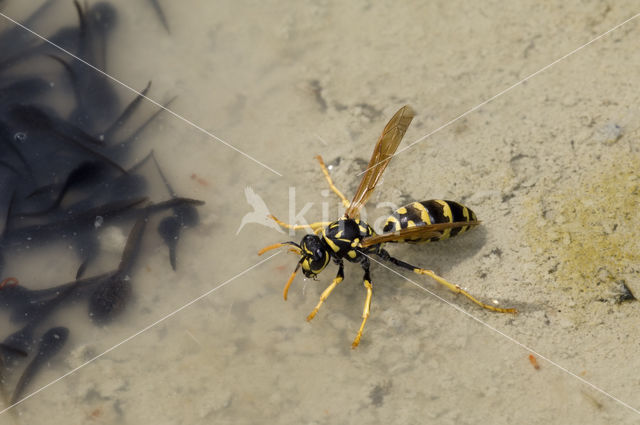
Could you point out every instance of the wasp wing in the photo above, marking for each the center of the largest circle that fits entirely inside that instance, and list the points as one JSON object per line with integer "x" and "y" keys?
{"x": 382, "y": 153}
{"x": 417, "y": 233}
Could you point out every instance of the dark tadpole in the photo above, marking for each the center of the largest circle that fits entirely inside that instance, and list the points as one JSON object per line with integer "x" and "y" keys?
{"x": 110, "y": 298}
{"x": 184, "y": 215}
{"x": 123, "y": 145}
{"x": 88, "y": 248}
{"x": 160, "y": 14}
{"x": 85, "y": 175}
{"x": 169, "y": 230}
{"x": 102, "y": 18}
{"x": 174, "y": 203}
{"x": 127, "y": 186}
{"x": 10, "y": 153}
{"x": 73, "y": 221}
{"x": 14, "y": 351}
{"x": 44, "y": 121}
{"x": 126, "y": 114}
{"x": 5, "y": 229}
{"x": 188, "y": 215}
{"x": 97, "y": 100}
{"x": 3, "y": 368}
{"x": 96, "y": 24}
{"x": 34, "y": 305}
{"x": 19, "y": 44}
{"x": 23, "y": 90}
{"x": 29, "y": 46}
{"x": 50, "y": 344}
{"x": 23, "y": 339}
{"x": 14, "y": 36}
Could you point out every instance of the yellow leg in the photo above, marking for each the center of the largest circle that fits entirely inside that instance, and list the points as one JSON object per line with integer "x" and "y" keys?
{"x": 333, "y": 187}
{"x": 458, "y": 290}
{"x": 315, "y": 227}
{"x": 327, "y": 292}
{"x": 453, "y": 288}
{"x": 365, "y": 312}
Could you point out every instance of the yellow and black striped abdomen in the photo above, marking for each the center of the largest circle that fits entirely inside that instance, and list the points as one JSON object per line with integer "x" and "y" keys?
{"x": 429, "y": 212}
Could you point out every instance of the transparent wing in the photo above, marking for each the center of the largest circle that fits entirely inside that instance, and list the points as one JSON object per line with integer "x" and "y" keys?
{"x": 417, "y": 232}
{"x": 382, "y": 153}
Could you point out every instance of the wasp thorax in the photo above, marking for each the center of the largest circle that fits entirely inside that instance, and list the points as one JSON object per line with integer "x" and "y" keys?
{"x": 314, "y": 255}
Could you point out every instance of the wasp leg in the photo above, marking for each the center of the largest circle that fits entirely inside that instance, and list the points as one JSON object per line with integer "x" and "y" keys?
{"x": 333, "y": 187}
{"x": 315, "y": 227}
{"x": 367, "y": 302}
{"x": 325, "y": 294}
{"x": 453, "y": 288}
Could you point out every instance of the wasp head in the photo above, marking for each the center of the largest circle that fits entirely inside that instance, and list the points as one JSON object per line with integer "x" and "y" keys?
{"x": 315, "y": 256}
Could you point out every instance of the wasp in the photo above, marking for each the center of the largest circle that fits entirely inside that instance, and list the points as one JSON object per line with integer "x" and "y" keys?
{"x": 351, "y": 239}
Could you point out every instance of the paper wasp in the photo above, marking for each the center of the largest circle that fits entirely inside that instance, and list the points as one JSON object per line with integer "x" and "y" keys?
{"x": 354, "y": 240}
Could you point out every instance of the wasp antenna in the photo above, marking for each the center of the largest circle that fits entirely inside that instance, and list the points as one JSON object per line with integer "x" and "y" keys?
{"x": 293, "y": 275}
{"x": 278, "y": 245}
{"x": 269, "y": 248}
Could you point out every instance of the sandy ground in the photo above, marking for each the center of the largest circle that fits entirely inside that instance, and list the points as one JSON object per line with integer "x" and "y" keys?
{"x": 550, "y": 167}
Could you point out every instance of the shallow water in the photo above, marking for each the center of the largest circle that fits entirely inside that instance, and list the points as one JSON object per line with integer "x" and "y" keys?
{"x": 213, "y": 341}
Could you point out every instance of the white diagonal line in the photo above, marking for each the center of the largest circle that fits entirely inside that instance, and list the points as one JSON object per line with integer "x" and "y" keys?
{"x": 480, "y": 105}
{"x": 175, "y": 114}
{"x": 510, "y": 338}
{"x": 173, "y": 313}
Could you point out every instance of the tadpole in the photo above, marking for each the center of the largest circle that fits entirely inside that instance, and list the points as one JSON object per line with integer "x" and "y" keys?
{"x": 110, "y": 297}
{"x": 169, "y": 230}
{"x": 50, "y": 344}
